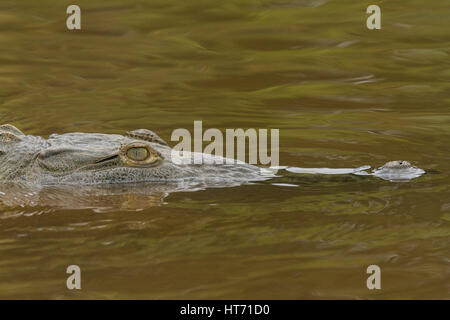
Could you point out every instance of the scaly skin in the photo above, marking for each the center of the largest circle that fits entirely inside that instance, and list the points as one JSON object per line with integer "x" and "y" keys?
{"x": 397, "y": 164}
{"x": 94, "y": 158}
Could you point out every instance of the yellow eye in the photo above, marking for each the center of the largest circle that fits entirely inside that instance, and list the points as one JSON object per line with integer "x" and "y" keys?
{"x": 138, "y": 153}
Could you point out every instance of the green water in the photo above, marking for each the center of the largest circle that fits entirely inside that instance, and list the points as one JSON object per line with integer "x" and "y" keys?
{"x": 341, "y": 95}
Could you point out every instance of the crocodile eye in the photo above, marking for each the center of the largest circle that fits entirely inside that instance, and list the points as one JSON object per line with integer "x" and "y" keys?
{"x": 138, "y": 153}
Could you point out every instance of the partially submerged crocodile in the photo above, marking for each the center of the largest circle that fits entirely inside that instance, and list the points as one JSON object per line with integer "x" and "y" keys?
{"x": 139, "y": 156}
{"x": 94, "y": 158}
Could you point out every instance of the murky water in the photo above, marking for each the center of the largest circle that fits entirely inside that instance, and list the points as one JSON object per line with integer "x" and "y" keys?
{"x": 342, "y": 96}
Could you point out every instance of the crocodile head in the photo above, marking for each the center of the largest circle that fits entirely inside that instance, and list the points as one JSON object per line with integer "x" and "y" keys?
{"x": 93, "y": 158}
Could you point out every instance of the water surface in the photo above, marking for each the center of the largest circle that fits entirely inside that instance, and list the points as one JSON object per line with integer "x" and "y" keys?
{"x": 342, "y": 96}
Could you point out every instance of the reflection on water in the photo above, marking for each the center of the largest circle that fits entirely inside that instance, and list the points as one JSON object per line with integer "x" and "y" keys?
{"x": 106, "y": 197}
{"x": 341, "y": 95}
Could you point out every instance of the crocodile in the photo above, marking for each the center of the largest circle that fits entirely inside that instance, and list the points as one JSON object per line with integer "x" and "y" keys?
{"x": 96, "y": 158}
{"x": 139, "y": 156}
